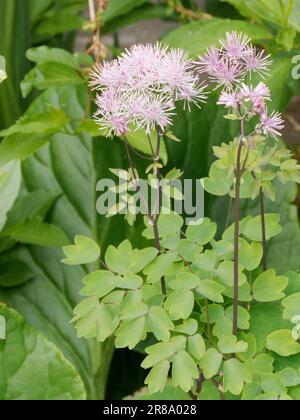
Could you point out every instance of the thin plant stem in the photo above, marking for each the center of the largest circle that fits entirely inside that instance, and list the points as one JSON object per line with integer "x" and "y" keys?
{"x": 155, "y": 219}
{"x": 228, "y": 213}
{"x": 263, "y": 229}
{"x": 239, "y": 173}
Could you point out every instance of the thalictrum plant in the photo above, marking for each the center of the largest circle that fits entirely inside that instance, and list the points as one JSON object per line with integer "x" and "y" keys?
{"x": 210, "y": 315}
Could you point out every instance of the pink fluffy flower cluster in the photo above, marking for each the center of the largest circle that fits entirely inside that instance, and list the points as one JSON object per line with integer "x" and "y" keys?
{"x": 139, "y": 90}
{"x": 229, "y": 67}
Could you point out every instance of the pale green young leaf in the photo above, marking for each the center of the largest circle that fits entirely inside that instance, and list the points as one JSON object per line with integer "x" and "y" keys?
{"x": 268, "y": 287}
{"x": 184, "y": 371}
{"x": 157, "y": 353}
{"x": 211, "y": 290}
{"x": 129, "y": 281}
{"x": 196, "y": 346}
{"x": 225, "y": 273}
{"x": 271, "y": 382}
{"x": 202, "y": 233}
{"x": 180, "y": 304}
{"x": 223, "y": 327}
{"x": 291, "y": 306}
{"x": 132, "y": 311}
{"x": 168, "y": 224}
{"x": 206, "y": 261}
{"x": 188, "y": 249}
{"x": 211, "y": 363}
{"x": 130, "y": 333}
{"x": 230, "y": 345}
{"x": 253, "y": 231}
{"x": 142, "y": 258}
{"x": 158, "y": 376}
{"x": 189, "y": 327}
{"x": 118, "y": 259}
{"x": 159, "y": 323}
{"x": 218, "y": 183}
{"x": 184, "y": 281}
{"x": 159, "y": 267}
{"x": 85, "y": 251}
{"x": 250, "y": 254}
{"x": 243, "y": 317}
{"x": 236, "y": 375}
{"x": 99, "y": 283}
{"x": 282, "y": 343}
{"x": 261, "y": 364}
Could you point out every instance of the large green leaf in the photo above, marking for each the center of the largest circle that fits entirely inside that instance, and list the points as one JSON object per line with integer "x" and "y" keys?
{"x": 69, "y": 167}
{"x": 270, "y": 11}
{"x": 31, "y": 367}
{"x": 196, "y": 37}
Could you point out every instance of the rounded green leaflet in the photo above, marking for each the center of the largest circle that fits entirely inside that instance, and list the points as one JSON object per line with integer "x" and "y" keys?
{"x": 266, "y": 318}
{"x": 85, "y": 251}
{"x": 283, "y": 343}
{"x": 252, "y": 229}
{"x": 211, "y": 290}
{"x": 157, "y": 353}
{"x": 236, "y": 375}
{"x": 129, "y": 281}
{"x": 268, "y": 287}
{"x": 184, "y": 281}
{"x": 180, "y": 304}
{"x": 230, "y": 345}
{"x": 225, "y": 273}
{"x": 203, "y": 232}
{"x": 118, "y": 259}
{"x": 158, "y": 376}
{"x": 130, "y": 333}
{"x": 211, "y": 363}
{"x": 159, "y": 323}
{"x": 196, "y": 346}
{"x": 32, "y": 359}
{"x": 250, "y": 254}
{"x": 99, "y": 283}
{"x": 291, "y": 306}
{"x": 184, "y": 371}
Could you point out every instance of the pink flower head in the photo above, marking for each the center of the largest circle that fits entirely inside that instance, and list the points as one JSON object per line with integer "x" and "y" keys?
{"x": 111, "y": 114}
{"x": 209, "y": 61}
{"x": 151, "y": 112}
{"x": 141, "y": 87}
{"x": 258, "y": 96}
{"x": 257, "y": 62}
{"x": 229, "y": 65}
{"x": 226, "y": 74}
{"x": 235, "y": 45}
{"x": 229, "y": 100}
{"x": 271, "y": 125}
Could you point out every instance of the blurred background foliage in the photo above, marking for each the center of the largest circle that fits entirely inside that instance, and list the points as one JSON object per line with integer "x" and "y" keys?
{"x": 52, "y": 158}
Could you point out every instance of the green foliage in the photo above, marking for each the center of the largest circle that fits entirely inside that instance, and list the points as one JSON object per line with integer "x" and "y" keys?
{"x": 187, "y": 335}
{"x": 85, "y": 251}
{"x": 29, "y": 358}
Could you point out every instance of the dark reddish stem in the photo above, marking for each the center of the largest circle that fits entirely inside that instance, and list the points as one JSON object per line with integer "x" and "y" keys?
{"x": 239, "y": 173}
{"x": 263, "y": 229}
